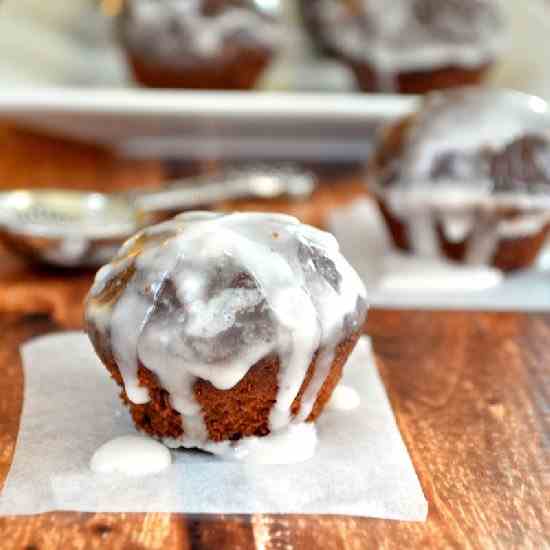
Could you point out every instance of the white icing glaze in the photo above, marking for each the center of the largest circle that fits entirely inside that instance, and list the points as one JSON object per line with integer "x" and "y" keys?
{"x": 523, "y": 226}
{"x": 131, "y": 455}
{"x": 484, "y": 241}
{"x": 466, "y": 121}
{"x": 296, "y": 443}
{"x": 180, "y": 317}
{"x": 344, "y": 398}
{"x": 405, "y": 274}
{"x": 395, "y": 40}
{"x": 174, "y": 31}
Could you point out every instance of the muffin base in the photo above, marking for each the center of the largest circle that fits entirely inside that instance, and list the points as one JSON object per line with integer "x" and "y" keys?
{"x": 418, "y": 82}
{"x": 511, "y": 254}
{"x": 241, "y": 72}
{"x": 241, "y": 411}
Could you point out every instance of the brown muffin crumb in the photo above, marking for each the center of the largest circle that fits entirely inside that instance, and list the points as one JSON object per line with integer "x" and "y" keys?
{"x": 241, "y": 411}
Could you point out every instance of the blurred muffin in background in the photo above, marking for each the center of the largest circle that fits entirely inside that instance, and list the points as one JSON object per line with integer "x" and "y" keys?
{"x": 468, "y": 177}
{"x": 410, "y": 46}
{"x": 199, "y": 44}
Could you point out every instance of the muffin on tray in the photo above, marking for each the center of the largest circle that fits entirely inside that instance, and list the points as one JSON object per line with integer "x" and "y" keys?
{"x": 226, "y": 327}
{"x": 198, "y": 44}
{"x": 468, "y": 176}
{"x": 410, "y": 46}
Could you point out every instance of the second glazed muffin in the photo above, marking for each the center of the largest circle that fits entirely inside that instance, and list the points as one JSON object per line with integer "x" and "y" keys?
{"x": 468, "y": 176}
{"x": 410, "y": 46}
{"x": 198, "y": 44}
{"x": 224, "y": 327}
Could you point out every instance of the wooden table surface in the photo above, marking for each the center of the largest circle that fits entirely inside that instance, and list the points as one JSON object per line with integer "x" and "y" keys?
{"x": 471, "y": 392}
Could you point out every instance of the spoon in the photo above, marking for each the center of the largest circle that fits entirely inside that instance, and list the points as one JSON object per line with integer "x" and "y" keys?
{"x": 85, "y": 229}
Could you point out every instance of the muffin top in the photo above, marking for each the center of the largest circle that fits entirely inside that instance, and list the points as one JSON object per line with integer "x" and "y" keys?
{"x": 208, "y": 295}
{"x": 177, "y": 32}
{"x": 413, "y": 34}
{"x": 480, "y": 141}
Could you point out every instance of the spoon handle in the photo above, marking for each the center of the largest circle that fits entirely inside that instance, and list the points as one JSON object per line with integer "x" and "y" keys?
{"x": 255, "y": 182}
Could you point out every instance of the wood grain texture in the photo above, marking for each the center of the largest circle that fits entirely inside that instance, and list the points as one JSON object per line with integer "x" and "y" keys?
{"x": 470, "y": 396}
{"x": 471, "y": 393}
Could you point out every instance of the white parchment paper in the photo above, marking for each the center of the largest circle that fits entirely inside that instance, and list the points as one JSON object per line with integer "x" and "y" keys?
{"x": 71, "y": 407}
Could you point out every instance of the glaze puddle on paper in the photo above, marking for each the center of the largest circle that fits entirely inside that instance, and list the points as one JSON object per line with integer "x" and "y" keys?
{"x": 361, "y": 466}
{"x": 131, "y": 455}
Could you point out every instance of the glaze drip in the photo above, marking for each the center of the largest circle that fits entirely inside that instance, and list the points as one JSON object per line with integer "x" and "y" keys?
{"x": 210, "y": 295}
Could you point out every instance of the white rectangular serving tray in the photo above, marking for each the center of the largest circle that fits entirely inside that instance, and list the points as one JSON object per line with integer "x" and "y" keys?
{"x": 209, "y": 124}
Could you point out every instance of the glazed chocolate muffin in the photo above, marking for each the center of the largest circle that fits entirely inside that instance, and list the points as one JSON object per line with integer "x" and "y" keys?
{"x": 198, "y": 44}
{"x": 219, "y": 328}
{"x": 468, "y": 176}
{"x": 412, "y": 46}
